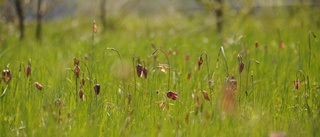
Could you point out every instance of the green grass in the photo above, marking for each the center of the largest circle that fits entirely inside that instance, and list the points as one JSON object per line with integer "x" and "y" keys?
{"x": 272, "y": 104}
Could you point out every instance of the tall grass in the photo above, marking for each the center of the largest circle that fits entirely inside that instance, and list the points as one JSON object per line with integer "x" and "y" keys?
{"x": 132, "y": 106}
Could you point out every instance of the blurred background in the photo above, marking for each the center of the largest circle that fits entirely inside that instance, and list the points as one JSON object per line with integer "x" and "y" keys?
{"x": 108, "y": 12}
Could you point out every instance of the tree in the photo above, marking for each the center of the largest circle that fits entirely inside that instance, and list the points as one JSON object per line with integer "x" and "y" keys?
{"x": 217, "y": 7}
{"x": 103, "y": 14}
{"x": 39, "y": 20}
{"x": 19, "y": 10}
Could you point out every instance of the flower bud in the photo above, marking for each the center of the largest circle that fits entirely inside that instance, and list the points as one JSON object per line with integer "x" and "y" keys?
{"x": 256, "y": 44}
{"x": 6, "y": 75}
{"x": 189, "y": 75}
{"x": 200, "y": 61}
{"x": 172, "y": 95}
{"x": 76, "y": 61}
{"x": 81, "y": 94}
{"x": 76, "y": 70}
{"x": 96, "y": 89}
{"x": 94, "y": 27}
{"x": 28, "y": 70}
{"x": 205, "y": 95}
{"x": 145, "y": 73}
{"x": 82, "y": 82}
{"x": 38, "y": 85}
{"x": 241, "y": 66}
{"x": 297, "y": 84}
{"x": 139, "y": 69}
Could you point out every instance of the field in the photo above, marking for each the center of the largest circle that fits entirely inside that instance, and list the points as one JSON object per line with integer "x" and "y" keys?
{"x": 276, "y": 92}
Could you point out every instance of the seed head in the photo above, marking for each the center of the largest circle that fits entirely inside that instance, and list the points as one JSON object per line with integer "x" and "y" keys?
{"x": 96, "y": 89}
{"x": 172, "y": 95}
{"x": 38, "y": 85}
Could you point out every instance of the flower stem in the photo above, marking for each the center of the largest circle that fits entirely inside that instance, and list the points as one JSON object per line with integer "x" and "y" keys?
{"x": 168, "y": 64}
{"x": 208, "y": 73}
{"x": 248, "y": 69}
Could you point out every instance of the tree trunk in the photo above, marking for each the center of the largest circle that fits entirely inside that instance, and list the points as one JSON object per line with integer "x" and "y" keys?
{"x": 219, "y": 14}
{"x": 103, "y": 14}
{"x": 19, "y": 9}
{"x": 39, "y": 19}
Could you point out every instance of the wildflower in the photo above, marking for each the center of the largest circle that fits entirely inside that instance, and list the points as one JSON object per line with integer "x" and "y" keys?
{"x": 6, "y": 75}
{"x": 211, "y": 83}
{"x": 28, "y": 70}
{"x": 94, "y": 27}
{"x": 81, "y": 94}
{"x": 175, "y": 52}
{"x": 96, "y": 89}
{"x": 76, "y": 70}
{"x": 187, "y": 58}
{"x": 82, "y": 82}
{"x": 145, "y": 73}
{"x": 58, "y": 102}
{"x": 241, "y": 66}
{"x": 38, "y": 85}
{"x": 189, "y": 75}
{"x": 163, "y": 67}
{"x": 76, "y": 61}
{"x": 281, "y": 44}
{"x": 200, "y": 61}
{"x": 233, "y": 84}
{"x": 139, "y": 69}
{"x": 256, "y": 44}
{"x": 297, "y": 84}
{"x": 277, "y": 134}
{"x": 172, "y": 95}
{"x": 170, "y": 52}
{"x": 205, "y": 95}
{"x": 129, "y": 97}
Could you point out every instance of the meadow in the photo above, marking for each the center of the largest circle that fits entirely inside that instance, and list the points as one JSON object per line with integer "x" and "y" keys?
{"x": 274, "y": 92}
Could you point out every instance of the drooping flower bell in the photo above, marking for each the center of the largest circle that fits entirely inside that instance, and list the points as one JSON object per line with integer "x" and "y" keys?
{"x": 145, "y": 73}
{"x": 139, "y": 69}
{"x": 172, "y": 95}
{"x": 200, "y": 61}
{"x": 94, "y": 27}
{"x": 76, "y": 71}
{"x": 205, "y": 95}
{"x": 6, "y": 75}
{"x": 96, "y": 89}
{"x": 297, "y": 84}
{"x": 38, "y": 85}
{"x": 241, "y": 67}
{"x": 81, "y": 94}
{"x": 28, "y": 68}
